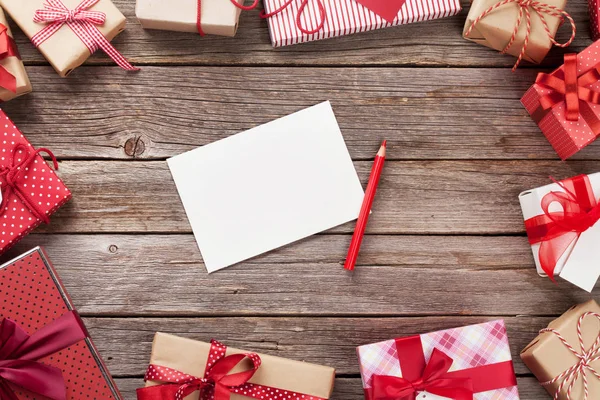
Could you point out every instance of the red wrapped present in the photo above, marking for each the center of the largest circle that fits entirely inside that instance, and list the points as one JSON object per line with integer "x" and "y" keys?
{"x": 45, "y": 350}
{"x": 565, "y": 103}
{"x": 472, "y": 362}
{"x": 594, "y": 26}
{"x": 30, "y": 190}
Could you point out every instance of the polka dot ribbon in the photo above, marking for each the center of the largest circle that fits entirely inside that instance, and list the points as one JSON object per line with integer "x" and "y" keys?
{"x": 234, "y": 2}
{"x": 8, "y": 48}
{"x": 525, "y": 7}
{"x": 13, "y": 175}
{"x": 586, "y": 358}
{"x": 301, "y": 10}
{"x": 83, "y": 23}
{"x": 218, "y": 382}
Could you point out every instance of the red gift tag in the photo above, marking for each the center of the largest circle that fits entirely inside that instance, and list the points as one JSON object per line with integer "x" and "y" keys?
{"x": 386, "y": 9}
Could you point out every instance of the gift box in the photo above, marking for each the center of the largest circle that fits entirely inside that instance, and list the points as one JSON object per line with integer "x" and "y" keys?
{"x": 561, "y": 221}
{"x": 594, "y": 23}
{"x": 568, "y": 114}
{"x": 182, "y": 367}
{"x": 469, "y": 362}
{"x": 298, "y": 21}
{"x": 492, "y": 23}
{"x": 45, "y": 350}
{"x": 217, "y": 17}
{"x": 557, "y": 357}
{"x": 30, "y": 191}
{"x": 13, "y": 78}
{"x": 67, "y": 32}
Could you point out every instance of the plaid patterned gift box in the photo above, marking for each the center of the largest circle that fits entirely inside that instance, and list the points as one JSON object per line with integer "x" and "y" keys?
{"x": 474, "y": 359}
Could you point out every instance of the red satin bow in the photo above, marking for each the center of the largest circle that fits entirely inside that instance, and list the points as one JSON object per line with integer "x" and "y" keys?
{"x": 8, "y": 48}
{"x": 556, "y": 231}
{"x": 13, "y": 175}
{"x": 301, "y": 9}
{"x": 566, "y": 86}
{"x": 20, "y": 351}
{"x": 434, "y": 380}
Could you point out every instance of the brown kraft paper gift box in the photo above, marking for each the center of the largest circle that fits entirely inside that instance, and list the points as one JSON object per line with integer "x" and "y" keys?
{"x": 64, "y": 50}
{"x": 547, "y": 357}
{"x": 218, "y": 17}
{"x": 496, "y": 29}
{"x": 14, "y": 66}
{"x": 190, "y": 356}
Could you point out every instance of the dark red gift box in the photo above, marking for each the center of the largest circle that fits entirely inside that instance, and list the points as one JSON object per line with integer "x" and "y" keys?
{"x": 31, "y": 190}
{"x": 34, "y": 301}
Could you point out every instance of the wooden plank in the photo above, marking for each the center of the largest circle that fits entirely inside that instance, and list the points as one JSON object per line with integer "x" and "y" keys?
{"x": 441, "y": 197}
{"x": 163, "y": 275}
{"x": 433, "y": 43}
{"x": 424, "y": 113}
{"x": 351, "y": 388}
{"x": 125, "y": 343}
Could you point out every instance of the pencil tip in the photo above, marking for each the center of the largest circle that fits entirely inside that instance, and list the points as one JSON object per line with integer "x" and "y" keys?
{"x": 384, "y": 143}
{"x": 382, "y": 149}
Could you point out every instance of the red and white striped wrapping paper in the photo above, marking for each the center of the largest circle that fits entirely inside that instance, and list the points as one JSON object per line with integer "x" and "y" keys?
{"x": 345, "y": 17}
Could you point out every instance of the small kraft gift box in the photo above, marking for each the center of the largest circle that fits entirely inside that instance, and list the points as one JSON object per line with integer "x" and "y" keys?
{"x": 298, "y": 21}
{"x": 67, "y": 32}
{"x": 561, "y": 220}
{"x": 185, "y": 369}
{"x": 504, "y": 25}
{"x": 472, "y": 362}
{"x": 45, "y": 350}
{"x": 206, "y": 17}
{"x": 14, "y": 81}
{"x": 30, "y": 191}
{"x": 565, "y": 357}
{"x": 564, "y": 103}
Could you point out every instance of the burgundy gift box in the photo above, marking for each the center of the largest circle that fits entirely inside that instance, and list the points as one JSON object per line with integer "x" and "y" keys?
{"x": 34, "y": 302}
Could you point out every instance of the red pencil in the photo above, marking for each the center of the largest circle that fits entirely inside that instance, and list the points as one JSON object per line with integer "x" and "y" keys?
{"x": 363, "y": 218}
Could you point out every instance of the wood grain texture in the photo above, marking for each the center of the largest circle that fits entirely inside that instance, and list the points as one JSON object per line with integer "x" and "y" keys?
{"x": 163, "y": 275}
{"x": 432, "y": 43}
{"x": 425, "y": 113}
{"x": 427, "y": 197}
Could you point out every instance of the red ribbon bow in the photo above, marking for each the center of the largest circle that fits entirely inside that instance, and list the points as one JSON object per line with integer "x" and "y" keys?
{"x": 8, "y": 48}
{"x": 301, "y": 9}
{"x": 218, "y": 382}
{"x": 83, "y": 23}
{"x": 13, "y": 175}
{"x": 20, "y": 351}
{"x": 557, "y": 230}
{"x": 435, "y": 380}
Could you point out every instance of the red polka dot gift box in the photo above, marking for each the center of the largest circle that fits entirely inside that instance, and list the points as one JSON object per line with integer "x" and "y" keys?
{"x": 45, "y": 350}
{"x": 566, "y": 103}
{"x": 185, "y": 369}
{"x": 30, "y": 190}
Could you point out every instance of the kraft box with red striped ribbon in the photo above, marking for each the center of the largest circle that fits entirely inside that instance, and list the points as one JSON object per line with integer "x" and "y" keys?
{"x": 299, "y": 21}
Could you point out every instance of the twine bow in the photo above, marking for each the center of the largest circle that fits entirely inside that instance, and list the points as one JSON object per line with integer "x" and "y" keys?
{"x": 83, "y": 23}
{"x": 301, "y": 10}
{"x": 525, "y": 7}
{"x": 13, "y": 175}
{"x": 582, "y": 367}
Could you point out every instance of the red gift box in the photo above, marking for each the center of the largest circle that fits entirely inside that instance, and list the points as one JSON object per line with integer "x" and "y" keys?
{"x": 31, "y": 190}
{"x": 44, "y": 346}
{"x": 566, "y": 103}
{"x": 594, "y": 26}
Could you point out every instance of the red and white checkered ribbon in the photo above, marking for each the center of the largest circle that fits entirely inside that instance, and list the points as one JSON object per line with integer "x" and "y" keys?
{"x": 82, "y": 22}
{"x": 581, "y": 368}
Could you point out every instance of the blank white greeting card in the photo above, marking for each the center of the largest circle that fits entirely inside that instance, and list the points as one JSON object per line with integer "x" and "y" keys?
{"x": 267, "y": 187}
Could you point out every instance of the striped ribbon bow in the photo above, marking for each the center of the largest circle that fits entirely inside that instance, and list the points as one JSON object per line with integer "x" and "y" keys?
{"x": 524, "y": 9}
{"x": 83, "y": 23}
{"x": 582, "y": 367}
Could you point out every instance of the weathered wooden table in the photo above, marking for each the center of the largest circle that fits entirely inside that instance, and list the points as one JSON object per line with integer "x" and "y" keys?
{"x": 446, "y": 244}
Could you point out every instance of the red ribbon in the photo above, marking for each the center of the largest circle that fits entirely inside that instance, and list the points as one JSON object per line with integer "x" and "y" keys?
{"x": 20, "y": 351}
{"x": 13, "y": 175}
{"x": 433, "y": 377}
{"x": 301, "y": 9}
{"x": 82, "y": 22}
{"x": 573, "y": 90}
{"x": 234, "y": 2}
{"x": 557, "y": 231}
{"x": 8, "y": 48}
{"x": 218, "y": 382}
